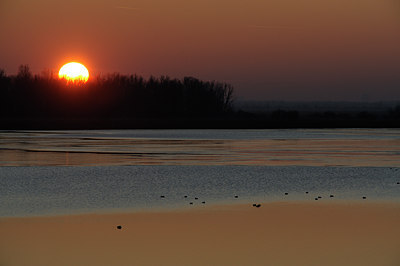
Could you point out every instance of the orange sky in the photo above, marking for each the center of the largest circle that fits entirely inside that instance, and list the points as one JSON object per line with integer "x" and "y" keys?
{"x": 268, "y": 49}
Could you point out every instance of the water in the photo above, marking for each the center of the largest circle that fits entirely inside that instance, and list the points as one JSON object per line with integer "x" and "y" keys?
{"x": 63, "y": 172}
{"x": 362, "y": 147}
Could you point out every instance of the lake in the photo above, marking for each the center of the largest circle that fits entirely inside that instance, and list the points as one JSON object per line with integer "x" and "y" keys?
{"x": 64, "y": 172}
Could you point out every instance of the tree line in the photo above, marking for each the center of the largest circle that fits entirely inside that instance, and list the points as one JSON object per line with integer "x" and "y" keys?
{"x": 112, "y": 95}
{"x": 44, "y": 101}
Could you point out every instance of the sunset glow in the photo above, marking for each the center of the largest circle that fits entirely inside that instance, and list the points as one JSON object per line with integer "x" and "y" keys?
{"x": 74, "y": 72}
{"x": 292, "y": 50}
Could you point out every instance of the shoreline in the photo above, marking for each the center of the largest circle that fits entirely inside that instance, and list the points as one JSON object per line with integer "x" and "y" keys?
{"x": 209, "y": 207}
{"x": 279, "y": 233}
{"x": 235, "y": 122}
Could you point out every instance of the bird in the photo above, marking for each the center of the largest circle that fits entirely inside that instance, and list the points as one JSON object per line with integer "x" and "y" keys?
{"x": 286, "y": 193}
{"x": 162, "y": 196}
{"x": 258, "y": 205}
{"x": 119, "y": 227}
{"x": 319, "y": 197}
{"x": 191, "y": 203}
{"x": 331, "y": 196}
{"x": 236, "y": 196}
{"x": 254, "y": 205}
{"x": 364, "y": 197}
{"x": 196, "y": 198}
{"x": 203, "y": 202}
{"x": 185, "y": 196}
{"x": 306, "y": 192}
{"x": 316, "y": 198}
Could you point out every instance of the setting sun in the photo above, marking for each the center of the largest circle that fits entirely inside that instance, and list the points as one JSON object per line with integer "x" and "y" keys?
{"x": 74, "y": 72}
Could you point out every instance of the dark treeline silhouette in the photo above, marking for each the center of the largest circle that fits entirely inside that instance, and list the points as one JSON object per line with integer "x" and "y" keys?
{"x": 44, "y": 101}
{"x": 114, "y": 95}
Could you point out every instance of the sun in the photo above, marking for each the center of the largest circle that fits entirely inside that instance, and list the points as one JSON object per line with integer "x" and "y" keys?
{"x": 74, "y": 72}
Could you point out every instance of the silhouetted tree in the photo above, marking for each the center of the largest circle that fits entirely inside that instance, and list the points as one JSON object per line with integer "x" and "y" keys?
{"x": 24, "y": 72}
{"x": 112, "y": 95}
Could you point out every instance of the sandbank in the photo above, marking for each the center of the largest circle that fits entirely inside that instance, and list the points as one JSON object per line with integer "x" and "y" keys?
{"x": 284, "y": 233}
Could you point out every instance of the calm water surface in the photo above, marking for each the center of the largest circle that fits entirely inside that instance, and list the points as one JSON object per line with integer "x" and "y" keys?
{"x": 363, "y": 147}
{"x": 56, "y": 172}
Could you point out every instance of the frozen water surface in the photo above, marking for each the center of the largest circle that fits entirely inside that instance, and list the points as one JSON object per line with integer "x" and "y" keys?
{"x": 61, "y": 172}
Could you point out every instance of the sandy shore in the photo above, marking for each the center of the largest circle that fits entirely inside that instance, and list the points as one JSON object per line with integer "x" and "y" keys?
{"x": 275, "y": 234}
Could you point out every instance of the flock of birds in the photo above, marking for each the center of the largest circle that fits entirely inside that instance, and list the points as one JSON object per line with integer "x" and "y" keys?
{"x": 257, "y": 205}
{"x": 196, "y": 198}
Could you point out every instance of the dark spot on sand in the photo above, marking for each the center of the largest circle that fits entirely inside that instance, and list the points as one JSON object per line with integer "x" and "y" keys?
{"x": 119, "y": 227}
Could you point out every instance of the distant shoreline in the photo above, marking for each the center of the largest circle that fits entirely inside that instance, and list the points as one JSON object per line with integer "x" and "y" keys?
{"x": 247, "y": 121}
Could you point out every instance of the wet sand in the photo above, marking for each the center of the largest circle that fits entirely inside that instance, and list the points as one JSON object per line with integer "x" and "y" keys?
{"x": 356, "y": 233}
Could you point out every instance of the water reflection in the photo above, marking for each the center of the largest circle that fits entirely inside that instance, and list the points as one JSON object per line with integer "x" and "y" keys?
{"x": 361, "y": 147}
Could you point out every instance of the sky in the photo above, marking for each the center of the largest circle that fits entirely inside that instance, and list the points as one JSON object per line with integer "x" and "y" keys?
{"x": 294, "y": 50}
